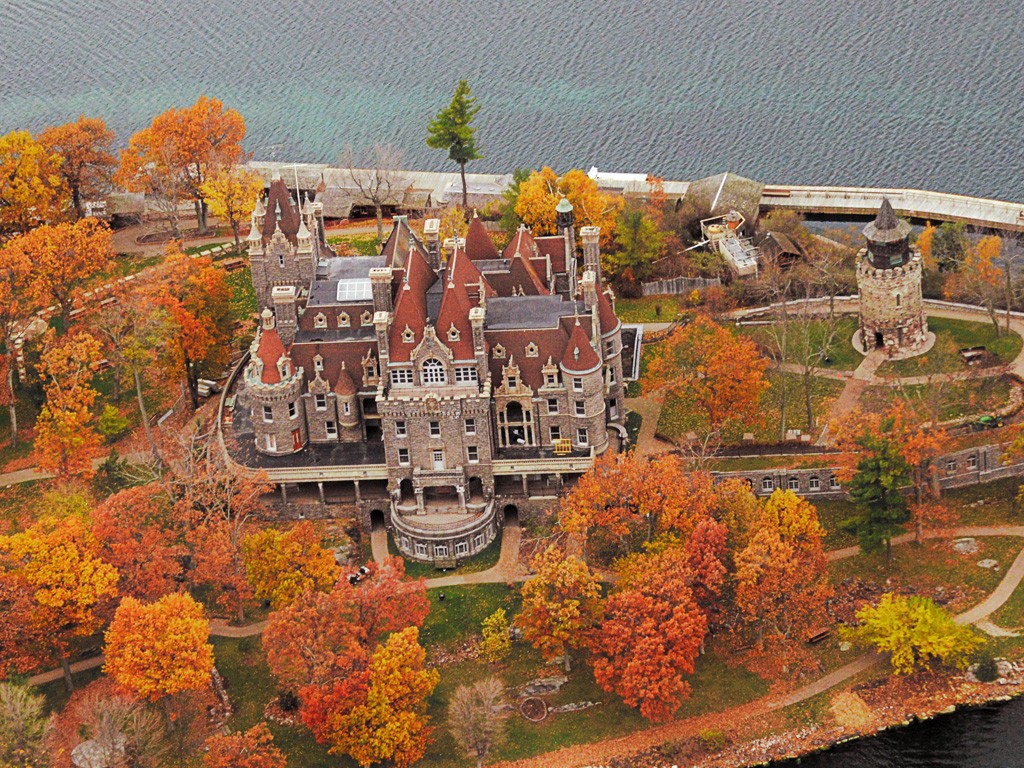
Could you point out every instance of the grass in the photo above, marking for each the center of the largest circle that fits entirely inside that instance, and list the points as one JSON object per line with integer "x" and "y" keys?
{"x": 831, "y": 514}
{"x": 458, "y": 616}
{"x": 362, "y": 245}
{"x": 747, "y": 463}
{"x": 956, "y": 399}
{"x": 243, "y": 294}
{"x": 676, "y": 420}
{"x": 951, "y": 336}
{"x": 480, "y": 562}
{"x": 650, "y": 309}
{"x": 840, "y": 352}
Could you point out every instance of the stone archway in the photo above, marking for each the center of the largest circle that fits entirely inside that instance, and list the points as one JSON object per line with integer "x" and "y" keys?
{"x": 510, "y": 514}
{"x": 377, "y": 520}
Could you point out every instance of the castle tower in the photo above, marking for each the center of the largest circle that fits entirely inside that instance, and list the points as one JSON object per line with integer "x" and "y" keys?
{"x": 274, "y": 385}
{"x": 582, "y": 373}
{"x": 889, "y": 283}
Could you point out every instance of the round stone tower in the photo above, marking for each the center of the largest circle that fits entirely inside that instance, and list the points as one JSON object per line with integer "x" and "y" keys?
{"x": 889, "y": 283}
{"x": 274, "y": 387}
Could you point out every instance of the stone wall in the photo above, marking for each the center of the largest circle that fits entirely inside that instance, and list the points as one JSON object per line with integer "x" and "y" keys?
{"x": 890, "y": 303}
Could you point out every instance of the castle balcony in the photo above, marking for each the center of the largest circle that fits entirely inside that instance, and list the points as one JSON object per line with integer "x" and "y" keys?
{"x": 521, "y": 460}
{"x": 441, "y": 536}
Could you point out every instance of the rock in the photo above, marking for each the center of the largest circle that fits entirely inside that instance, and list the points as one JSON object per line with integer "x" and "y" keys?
{"x": 543, "y": 686}
{"x": 988, "y": 563}
{"x": 845, "y": 646}
{"x": 575, "y": 706}
{"x": 966, "y": 545}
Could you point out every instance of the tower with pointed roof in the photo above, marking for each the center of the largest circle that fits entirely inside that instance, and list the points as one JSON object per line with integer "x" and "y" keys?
{"x": 889, "y": 283}
{"x": 275, "y": 387}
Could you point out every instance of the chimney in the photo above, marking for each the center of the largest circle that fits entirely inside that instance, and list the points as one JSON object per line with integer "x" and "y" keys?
{"x": 591, "y": 237}
{"x": 380, "y": 277}
{"x": 285, "y": 311}
{"x": 380, "y": 326}
{"x": 432, "y": 239}
{"x": 589, "y": 284}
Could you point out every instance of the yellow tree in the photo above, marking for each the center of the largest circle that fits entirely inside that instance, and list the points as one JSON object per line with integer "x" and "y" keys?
{"x": 31, "y": 188}
{"x": 280, "y": 566}
{"x": 561, "y": 603}
{"x": 980, "y": 279}
{"x": 86, "y": 161}
{"x": 231, "y": 193}
{"x": 16, "y": 306}
{"x": 55, "y": 564}
{"x": 181, "y": 148}
{"x": 540, "y": 193}
{"x": 924, "y": 244}
{"x": 64, "y": 258}
{"x": 159, "y": 649}
{"x": 66, "y": 442}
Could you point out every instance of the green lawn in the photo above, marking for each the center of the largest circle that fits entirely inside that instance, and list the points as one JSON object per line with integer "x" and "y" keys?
{"x": 651, "y": 309}
{"x": 243, "y": 294}
{"x": 957, "y": 400}
{"x": 675, "y": 420}
{"x": 481, "y": 562}
{"x": 951, "y": 336}
{"x": 362, "y": 245}
{"x": 841, "y": 354}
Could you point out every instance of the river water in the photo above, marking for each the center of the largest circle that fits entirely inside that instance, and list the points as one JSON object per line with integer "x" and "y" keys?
{"x": 986, "y": 737}
{"x": 916, "y": 92}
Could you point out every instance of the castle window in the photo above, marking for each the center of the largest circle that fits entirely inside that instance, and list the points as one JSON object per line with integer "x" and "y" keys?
{"x": 532, "y": 350}
{"x": 814, "y": 484}
{"x": 271, "y": 442}
{"x": 767, "y": 484}
{"x": 581, "y": 408}
{"x": 440, "y": 550}
{"x": 401, "y": 377}
{"x": 609, "y": 347}
{"x": 552, "y": 405}
{"x": 512, "y": 382}
{"x": 433, "y": 372}
{"x": 370, "y": 370}
{"x": 331, "y": 428}
{"x": 466, "y": 374}
{"x": 320, "y": 401}
{"x": 794, "y": 484}
{"x": 435, "y": 429}
{"x": 833, "y": 482}
{"x": 343, "y": 320}
{"x": 972, "y": 462}
{"x": 581, "y": 436}
{"x": 611, "y": 375}
{"x": 472, "y": 454}
{"x": 320, "y": 320}
{"x": 318, "y": 363}
{"x": 346, "y": 408}
{"x": 268, "y": 414}
{"x": 613, "y": 409}
{"x": 478, "y": 540}
{"x": 421, "y": 549}
{"x": 556, "y": 433}
{"x": 551, "y": 380}
{"x": 293, "y": 410}
{"x": 453, "y": 333}
{"x": 577, "y": 384}
{"x": 400, "y": 430}
{"x": 897, "y": 299}
{"x": 403, "y": 456}
{"x": 470, "y": 426}
{"x": 461, "y": 548}
{"x": 280, "y": 258}
{"x": 499, "y": 351}
{"x": 366, "y": 318}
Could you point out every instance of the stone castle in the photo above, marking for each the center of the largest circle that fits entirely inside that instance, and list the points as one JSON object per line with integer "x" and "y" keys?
{"x": 433, "y": 383}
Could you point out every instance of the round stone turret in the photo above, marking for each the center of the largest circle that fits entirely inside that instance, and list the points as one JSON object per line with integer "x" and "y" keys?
{"x": 889, "y": 283}
{"x": 274, "y": 386}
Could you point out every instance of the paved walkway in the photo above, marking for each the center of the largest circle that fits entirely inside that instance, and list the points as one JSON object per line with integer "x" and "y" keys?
{"x": 649, "y": 408}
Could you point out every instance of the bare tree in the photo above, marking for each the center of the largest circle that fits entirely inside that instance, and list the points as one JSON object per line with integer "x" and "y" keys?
{"x": 23, "y": 726}
{"x": 476, "y": 717}
{"x": 379, "y": 181}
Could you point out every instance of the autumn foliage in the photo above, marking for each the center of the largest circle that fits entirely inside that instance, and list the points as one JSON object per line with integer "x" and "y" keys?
{"x": 540, "y": 193}
{"x": 280, "y": 566}
{"x": 86, "y": 163}
{"x": 32, "y": 191}
{"x": 161, "y": 648}
{"x": 253, "y": 748}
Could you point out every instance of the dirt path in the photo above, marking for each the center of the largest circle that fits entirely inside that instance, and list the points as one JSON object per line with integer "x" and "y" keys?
{"x": 647, "y": 442}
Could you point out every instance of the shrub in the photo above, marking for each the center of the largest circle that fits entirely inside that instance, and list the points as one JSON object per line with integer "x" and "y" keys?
{"x": 712, "y": 739}
{"x": 496, "y": 642}
{"x": 987, "y": 670}
{"x": 112, "y": 424}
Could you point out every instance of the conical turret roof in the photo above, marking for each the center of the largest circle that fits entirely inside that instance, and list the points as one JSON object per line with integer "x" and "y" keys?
{"x": 886, "y": 228}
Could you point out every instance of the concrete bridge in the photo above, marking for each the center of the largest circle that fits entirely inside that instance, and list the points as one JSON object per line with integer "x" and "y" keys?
{"x": 913, "y": 203}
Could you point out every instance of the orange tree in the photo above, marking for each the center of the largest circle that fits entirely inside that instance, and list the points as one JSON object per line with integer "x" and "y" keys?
{"x": 182, "y": 148}
{"x": 540, "y": 193}
{"x": 86, "y": 163}
{"x": 159, "y": 649}
{"x": 31, "y": 189}
{"x": 64, "y": 258}
{"x": 561, "y": 604}
{"x": 196, "y": 298}
{"x": 716, "y": 376}
{"x": 253, "y": 748}
{"x": 16, "y": 306}
{"x": 66, "y": 442}
{"x": 54, "y": 588}
{"x": 781, "y": 575}
{"x": 280, "y": 566}
{"x": 650, "y": 635}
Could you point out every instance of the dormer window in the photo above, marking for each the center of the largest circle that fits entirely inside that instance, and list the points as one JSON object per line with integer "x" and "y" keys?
{"x": 370, "y": 370}
{"x": 453, "y": 333}
{"x": 284, "y": 367}
{"x": 320, "y": 321}
{"x": 532, "y": 350}
{"x": 512, "y": 382}
{"x": 408, "y": 336}
{"x": 499, "y": 351}
{"x": 318, "y": 363}
{"x": 550, "y": 380}
{"x": 343, "y": 320}
{"x": 366, "y": 318}
{"x": 433, "y": 372}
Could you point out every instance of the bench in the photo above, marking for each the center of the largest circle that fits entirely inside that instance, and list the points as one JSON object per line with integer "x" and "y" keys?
{"x": 817, "y": 635}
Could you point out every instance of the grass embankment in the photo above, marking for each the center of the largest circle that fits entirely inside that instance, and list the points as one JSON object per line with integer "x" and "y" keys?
{"x": 955, "y": 400}
{"x": 651, "y": 309}
{"x": 840, "y": 352}
{"x": 950, "y": 336}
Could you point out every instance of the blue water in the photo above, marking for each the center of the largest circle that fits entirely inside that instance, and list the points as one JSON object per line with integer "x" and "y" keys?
{"x": 917, "y": 92}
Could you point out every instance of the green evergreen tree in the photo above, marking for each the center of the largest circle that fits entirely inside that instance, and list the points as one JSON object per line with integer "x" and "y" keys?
{"x": 950, "y": 246}
{"x": 881, "y": 472}
{"x": 510, "y": 220}
{"x": 452, "y": 129}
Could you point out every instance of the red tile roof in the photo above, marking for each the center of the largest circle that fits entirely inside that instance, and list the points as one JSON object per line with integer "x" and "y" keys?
{"x": 270, "y": 350}
{"x": 281, "y": 212}
{"x": 553, "y": 247}
{"x": 579, "y": 356}
{"x": 464, "y": 272}
{"x": 411, "y": 306}
{"x": 523, "y": 276}
{"x": 478, "y": 243}
{"x": 454, "y": 313}
{"x": 522, "y": 242}
{"x": 345, "y": 386}
{"x": 606, "y": 313}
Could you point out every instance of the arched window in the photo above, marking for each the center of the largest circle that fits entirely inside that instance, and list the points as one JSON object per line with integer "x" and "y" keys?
{"x": 433, "y": 372}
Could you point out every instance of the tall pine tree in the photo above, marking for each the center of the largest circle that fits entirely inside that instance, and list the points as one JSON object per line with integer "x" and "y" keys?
{"x": 452, "y": 129}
